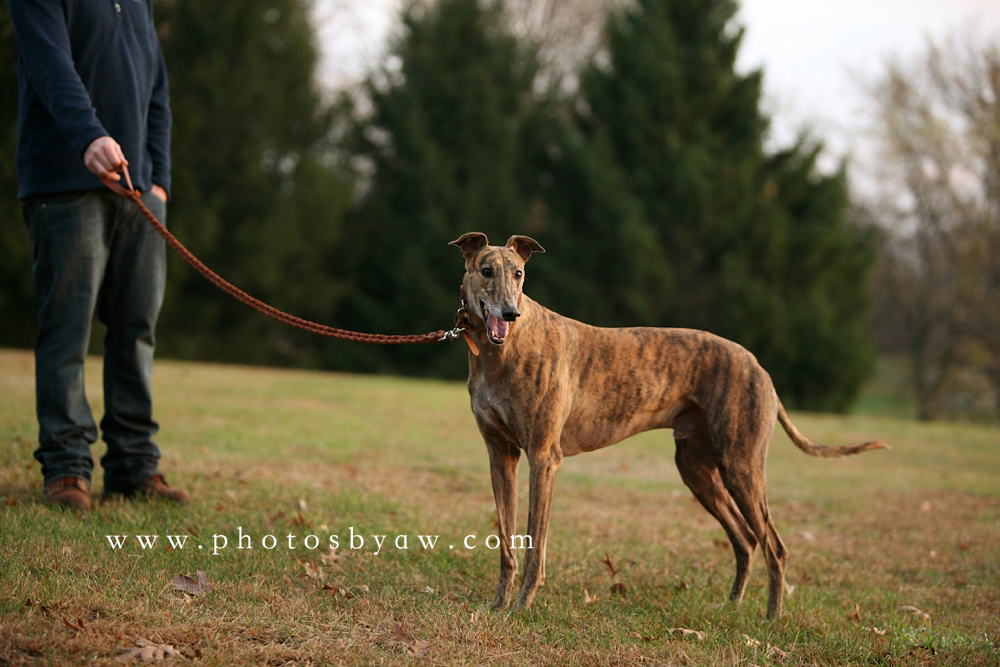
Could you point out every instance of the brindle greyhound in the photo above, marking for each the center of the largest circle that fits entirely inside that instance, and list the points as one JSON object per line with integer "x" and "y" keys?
{"x": 554, "y": 387}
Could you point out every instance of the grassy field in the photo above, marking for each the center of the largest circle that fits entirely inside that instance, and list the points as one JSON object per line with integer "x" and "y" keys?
{"x": 895, "y": 555}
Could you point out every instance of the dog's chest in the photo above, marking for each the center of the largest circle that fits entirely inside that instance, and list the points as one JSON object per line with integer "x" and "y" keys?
{"x": 489, "y": 407}
{"x": 491, "y": 404}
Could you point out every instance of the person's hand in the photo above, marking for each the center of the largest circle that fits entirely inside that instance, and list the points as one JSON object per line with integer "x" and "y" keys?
{"x": 159, "y": 192}
{"x": 104, "y": 157}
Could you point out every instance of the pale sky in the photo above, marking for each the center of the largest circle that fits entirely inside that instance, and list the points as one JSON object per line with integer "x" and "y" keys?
{"x": 811, "y": 50}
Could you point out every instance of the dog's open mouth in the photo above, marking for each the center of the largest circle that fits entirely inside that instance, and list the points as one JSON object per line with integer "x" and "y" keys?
{"x": 496, "y": 329}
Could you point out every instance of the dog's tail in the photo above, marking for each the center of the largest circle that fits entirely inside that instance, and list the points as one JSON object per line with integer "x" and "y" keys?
{"x": 813, "y": 449}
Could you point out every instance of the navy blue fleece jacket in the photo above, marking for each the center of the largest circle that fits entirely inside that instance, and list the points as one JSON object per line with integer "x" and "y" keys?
{"x": 87, "y": 69}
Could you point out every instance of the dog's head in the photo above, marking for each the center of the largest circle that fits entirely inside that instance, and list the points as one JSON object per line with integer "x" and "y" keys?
{"x": 494, "y": 278}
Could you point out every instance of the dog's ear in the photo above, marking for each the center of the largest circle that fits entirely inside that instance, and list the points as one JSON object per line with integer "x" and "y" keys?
{"x": 524, "y": 246}
{"x": 471, "y": 243}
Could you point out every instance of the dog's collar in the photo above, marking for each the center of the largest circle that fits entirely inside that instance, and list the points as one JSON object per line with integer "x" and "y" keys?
{"x": 466, "y": 321}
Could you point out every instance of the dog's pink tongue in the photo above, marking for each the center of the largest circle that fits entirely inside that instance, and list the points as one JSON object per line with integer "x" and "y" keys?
{"x": 497, "y": 327}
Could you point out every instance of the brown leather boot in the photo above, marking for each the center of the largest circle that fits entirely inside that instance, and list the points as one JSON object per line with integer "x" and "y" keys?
{"x": 69, "y": 491}
{"x": 155, "y": 486}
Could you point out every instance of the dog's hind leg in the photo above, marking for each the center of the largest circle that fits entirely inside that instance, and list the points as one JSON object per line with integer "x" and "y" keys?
{"x": 696, "y": 462}
{"x": 743, "y": 477}
{"x": 503, "y": 473}
{"x": 753, "y": 505}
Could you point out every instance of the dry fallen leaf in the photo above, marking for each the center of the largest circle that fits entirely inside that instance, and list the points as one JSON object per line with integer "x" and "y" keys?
{"x": 28, "y": 602}
{"x": 684, "y": 632}
{"x": 75, "y": 627}
{"x": 776, "y": 652}
{"x": 587, "y": 598}
{"x": 399, "y": 634}
{"x": 302, "y": 503}
{"x": 856, "y": 615}
{"x": 415, "y": 647}
{"x": 148, "y": 651}
{"x": 611, "y": 567}
{"x": 330, "y": 557}
{"x": 200, "y": 584}
{"x": 750, "y": 641}
{"x": 418, "y": 648}
{"x": 313, "y": 571}
{"x": 618, "y": 589}
{"x": 878, "y": 632}
{"x": 916, "y": 612}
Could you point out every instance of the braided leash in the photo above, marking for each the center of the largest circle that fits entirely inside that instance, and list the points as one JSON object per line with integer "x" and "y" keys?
{"x": 388, "y": 339}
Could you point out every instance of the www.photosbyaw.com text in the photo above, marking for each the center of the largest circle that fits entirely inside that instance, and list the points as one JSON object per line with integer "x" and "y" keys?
{"x": 353, "y": 540}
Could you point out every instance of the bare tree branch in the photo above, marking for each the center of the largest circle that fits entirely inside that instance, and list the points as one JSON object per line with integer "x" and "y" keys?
{"x": 937, "y": 127}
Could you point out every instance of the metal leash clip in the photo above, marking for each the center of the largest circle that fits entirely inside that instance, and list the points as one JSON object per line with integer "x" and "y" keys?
{"x": 461, "y": 325}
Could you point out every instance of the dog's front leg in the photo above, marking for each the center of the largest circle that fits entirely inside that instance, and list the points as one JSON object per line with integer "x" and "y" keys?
{"x": 503, "y": 473}
{"x": 543, "y": 467}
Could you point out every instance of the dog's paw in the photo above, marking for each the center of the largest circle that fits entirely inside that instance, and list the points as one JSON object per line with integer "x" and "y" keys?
{"x": 500, "y": 603}
{"x": 524, "y": 600}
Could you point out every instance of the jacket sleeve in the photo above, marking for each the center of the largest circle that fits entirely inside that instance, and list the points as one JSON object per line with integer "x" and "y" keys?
{"x": 158, "y": 127}
{"x": 44, "y": 49}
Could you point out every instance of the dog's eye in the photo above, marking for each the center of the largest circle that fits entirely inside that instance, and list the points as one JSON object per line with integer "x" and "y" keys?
{"x": 487, "y": 272}
{"x": 518, "y": 274}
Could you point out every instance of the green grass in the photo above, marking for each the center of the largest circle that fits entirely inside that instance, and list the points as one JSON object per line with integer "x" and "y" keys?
{"x": 889, "y": 393}
{"x": 967, "y": 395}
{"x": 270, "y": 452}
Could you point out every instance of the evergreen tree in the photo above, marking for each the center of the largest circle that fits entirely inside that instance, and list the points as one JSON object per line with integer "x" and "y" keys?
{"x": 817, "y": 348}
{"x": 604, "y": 265}
{"x": 757, "y": 247}
{"x": 443, "y": 142}
{"x": 254, "y": 196}
{"x": 687, "y": 132}
{"x": 18, "y": 301}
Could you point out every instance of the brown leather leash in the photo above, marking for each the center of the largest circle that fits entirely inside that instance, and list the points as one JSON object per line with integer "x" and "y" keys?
{"x": 461, "y": 323}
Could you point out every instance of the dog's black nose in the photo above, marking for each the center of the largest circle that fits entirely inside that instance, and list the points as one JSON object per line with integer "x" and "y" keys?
{"x": 510, "y": 314}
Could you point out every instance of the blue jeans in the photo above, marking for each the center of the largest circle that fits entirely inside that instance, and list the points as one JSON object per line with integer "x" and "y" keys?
{"x": 93, "y": 251}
